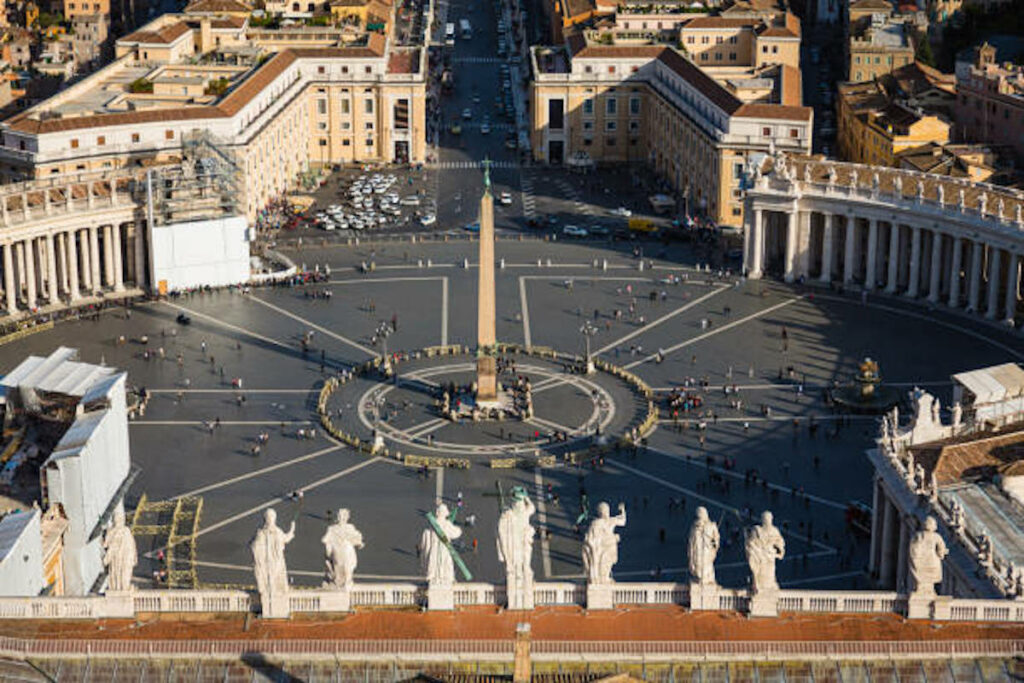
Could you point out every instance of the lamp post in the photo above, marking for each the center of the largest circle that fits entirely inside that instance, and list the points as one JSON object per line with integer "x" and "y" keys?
{"x": 588, "y": 330}
{"x": 382, "y": 332}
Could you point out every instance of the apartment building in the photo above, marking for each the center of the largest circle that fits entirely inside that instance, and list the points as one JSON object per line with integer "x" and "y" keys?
{"x": 881, "y": 118}
{"x": 878, "y": 44}
{"x": 80, "y": 8}
{"x": 277, "y": 112}
{"x": 750, "y": 41}
{"x": 651, "y": 104}
{"x": 990, "y": 102}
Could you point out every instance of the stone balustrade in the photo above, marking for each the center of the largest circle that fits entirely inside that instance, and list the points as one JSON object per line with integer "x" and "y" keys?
{"x": 924, "y": 236}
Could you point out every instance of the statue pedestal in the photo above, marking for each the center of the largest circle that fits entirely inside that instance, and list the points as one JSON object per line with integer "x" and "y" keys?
{"x": 927, "y": 605}
{"x": 378, "y": 444}
{"x": 600, "y": 595}
{"x": 764, "y": 604}
{"x": 275, "y": 606}
{"x": 440, "y": 598}
{"x": 119, "y": 605}
{"x": 703, "y": 596}
{"x": 335, "y": 599}
{"x": 520, "y": 599}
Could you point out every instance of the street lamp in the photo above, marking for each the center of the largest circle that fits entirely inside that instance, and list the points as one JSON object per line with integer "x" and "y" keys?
{"x": 382, "y": 333}
{"x": 588, "y": 330}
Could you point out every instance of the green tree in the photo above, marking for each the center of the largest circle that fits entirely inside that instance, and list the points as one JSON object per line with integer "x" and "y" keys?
{"x": 141, "y": 86}
{"x": 923, "y": 53}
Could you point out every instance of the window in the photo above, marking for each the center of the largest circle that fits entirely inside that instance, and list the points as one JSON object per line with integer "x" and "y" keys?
{"x": 794, "y": 133}
{"x": 556, "y": 114}
{"x": 588, "y": 125}
{"x": 321, "y": 125}
{"x": 346, "y": 142}
{"x": 690, "y": 40}
{"x": 369, "y": 142}
{"x": 588, "y": 107}
{"x": 737, "y": 170}
{"x": 368, "y": 125}
{"x": 718, "y": 56}
{"x": 766, "y": 132}
{"x": 368, "y": 106}
{"x": 369, "y": 70}
{"x": 344, "y": 69}
{"x": 732, "y": 40}
{"x": 634, "y": 106}
{"x": 345, "y": 125}
{"x": 775, "y": 49}
{"x": 323, "y": 142}
{"x": 344, "y": 106}
{"x": 732, "y": 56}
{"x": 321, "y": 107}
{"x": 611, "y": 69}
{"x": 719, "y": 40}
{"x": 401, "y": 114}
{"x": 135, "y": 137}
{"x": 321, "y": 70}
{"x": 610, "y": 126}
{"x": 704, "y": 40}
{"x": 74, "y": 143}
{"x": 168, "y": 135}
{"x": 587, "y": 142}
{"x": 610, "y": 141}
{"x": 588, "y": 69}
{"x": 703, "y": 56}
{"x": 634, "y": 126}
{"x": 764, "y": 49}
{"x": 101, "y": 140}
{"x": 736, "y": 211}
{"x": 611, "y": 107}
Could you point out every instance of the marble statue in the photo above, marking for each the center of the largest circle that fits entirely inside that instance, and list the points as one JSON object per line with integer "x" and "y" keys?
{"x": 515, "y": 551}
{"x": 601, "y": 544}
{"x": 962, "y": 201}
{"x": 876, "y": 181}
{"x": 933, "y": 489}
{"x": 268, "y": 556}
{"x": 885, "y": 430}
{"x": 956, "y": 514}
{"x": 919, "y": 478}
{"x": 927, "y": 550}
{"x": 897, "y": 185}
{"x": 1000, "y": 207}
{"x": 985, "y": 554}
{"x": 982, "y": 203}
{"x": 853, "y": 178}
{"x": 908, "y": 474}
{"x": 926, "y": 425}
{"x": 832, "y": 175}
{"x": 703, "y": 548}
{"x": 341, "y": 540}
{"x": 764, "y": 545}
{"x": 435, "y": 558}
{"x": 120, "y": 554}
{"x": 1018, "y": 213}
{"x": 936, "y": 407}
{"x": 920, "y": 190}
{"x": 807, "y": 173}
{"x": 957, "y": 414}
{"x": 941, "y": 192}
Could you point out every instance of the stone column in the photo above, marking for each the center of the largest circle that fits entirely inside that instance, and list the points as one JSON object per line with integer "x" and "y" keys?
{"x": 886, "y": 573}
{"x": 901, "y": 564}
{"x": 72, "y": 245}
{"x": 140, "y": 253}
{"x": 877, "y": 519}
{"x": 974, "y": 289}
{"x": 791, "y": 239}
{"x": 108, "y": 256}
{"x": 62, "y": 260}
{"x": 935, "y": 281}
{"x": 851, "y": 246}
{"x": 10, "y": 293}
{"x": 115, "y": 246}
{"x": 757, "y": 246}
{"x": 913, "y": 286}
{"x": 83, "y": 264}
{"x": 954, "y": 273}
{"x": 893, "y": 276}
{"x": 94, "y": 258}
{"x": 1012, "y": 271}
{"x": 30, "y": 274}
{"x": 827, "y": 239}
{"x": 19, "y": 263}
{"x": 992, "y": 301}
{"x": 871, "y": 272}
{"x": 52, "y": 287}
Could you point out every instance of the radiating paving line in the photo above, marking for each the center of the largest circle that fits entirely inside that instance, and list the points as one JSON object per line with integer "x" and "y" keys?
{"x": 668, "y": 316}
{"x": 312, "y": 325}
{"x": 444, "y": 311}
{"x": 542, "y": 521}
{"x": 236, "y": 328}
{"x": 231, "y": 391}
{"x": 710, "y": 501}
{"x": 222, "y": 423}
{"x": 524, "y": 307}
{"x": 372, "y": 280}
{"x": 416, "y": 431}
{"x": 718, "y": 330}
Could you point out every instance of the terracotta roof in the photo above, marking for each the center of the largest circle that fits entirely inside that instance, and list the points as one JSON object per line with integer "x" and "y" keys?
{"x": 404, "y": 62}
{"x": 227, "y": 23}
{"x": 215, "y": 6}
{"x": 576, "y": 42}
{"x": 621, "y": 52}
{"x": 163, "y": 36}
{"x": 348, "y": 3}
{"x": 657, "y": 623}
{"x": 790, "y": 89}
{"x": 970, "y": 457}
{"x": 719, "y": 23}
{"x": 229, "y": 106}
{"x": 775, "y": 111}
{"x": 708, "y": 86}
{"x": 871, "y": 5}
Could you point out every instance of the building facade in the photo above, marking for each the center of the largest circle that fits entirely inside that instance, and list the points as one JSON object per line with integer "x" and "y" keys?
{"x": 990, "y": 103}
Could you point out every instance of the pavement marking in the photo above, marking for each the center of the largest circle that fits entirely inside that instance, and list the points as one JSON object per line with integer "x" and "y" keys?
{"x": 668, "y": 316}
{"x": 313, "y": 325}
{"x": 715, "y": 331}
{"x": 809, "y": 387}
{"x": 283, "y": 498}
{"x": 416, "y": 431}
{"x": 815, "y": 579}
{"x": 451, "y": 165}
{"x": 444, "y": 311}
{"x": 736, "y": 475}
{"x": 525, "y": 313}
{"x": 542, "y": 521}
{"x": 231, "y": 391}
{"x": 365, "y": 280}
{"x": 256, "y": 473}
{"x": 824, "y": 417}
{"x": 236, "y": 328}
{"x": 439, "y": 487}
{"x": 223, "y": 423}
{"x": 710, "y": 501}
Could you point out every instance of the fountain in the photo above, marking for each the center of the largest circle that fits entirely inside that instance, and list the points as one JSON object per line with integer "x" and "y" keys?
{"x": 866, "y": 394}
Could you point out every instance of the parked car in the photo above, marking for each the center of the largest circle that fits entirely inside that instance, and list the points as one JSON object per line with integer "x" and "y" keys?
{"x": 428, "y": 219}
{"x": 622, "y": 211}
{"x": 411, "y": 200}
{"x": 574, "y": 231}
{"x": 505, "y": 198}
{"x": 599, "y": 230}
{"x": 467, "y": 113}
{"x": 471, "y": 227}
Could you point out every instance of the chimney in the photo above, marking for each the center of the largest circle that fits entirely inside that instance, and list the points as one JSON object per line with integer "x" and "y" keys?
{"x": 205, "y": 35}
{"x": 521, "y": 668}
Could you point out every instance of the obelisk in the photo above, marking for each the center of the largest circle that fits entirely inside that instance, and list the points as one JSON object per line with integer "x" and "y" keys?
{"x": 486, "y": 371}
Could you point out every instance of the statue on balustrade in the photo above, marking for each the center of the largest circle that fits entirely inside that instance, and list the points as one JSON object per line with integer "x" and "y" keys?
{"x": 515, "y": 550}
{"x": 435, "y": 554}
{"x": 897, "y": 185}
{"x": 982, "y": 203}
{"x": 764, "y": 545}
{"x": 927, "y": 550}
{"x": 341, "y": 540}
{"x": 703, "y": 548}
{"x": 940, "y": 190}
{"x": 1000, "y": 207}
{"x": 120, "y": 554}
{"x": 601, "y": 544}
{"x": 268, "y": 556}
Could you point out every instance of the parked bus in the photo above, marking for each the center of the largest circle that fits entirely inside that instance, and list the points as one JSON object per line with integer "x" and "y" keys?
{"x": 465, "y": 30}
{"x": 449, "y": 34}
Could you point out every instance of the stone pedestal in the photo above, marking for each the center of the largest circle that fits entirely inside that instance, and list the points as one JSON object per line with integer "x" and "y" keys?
{"x": 377, "y": 445}
{"x": 119, "y": 605}
{"x": 486, "y": 379}
{"x": 521, "y": 598}
{"x": 275, "y": 606}
{"x": 335, "y": 600}
{"x": 703, "y": 596}
{"x": 764, "y": 604}
{"x": 920, "y": 605}
{"x": 440, "y": 598}
{"x": 600, "y": 596}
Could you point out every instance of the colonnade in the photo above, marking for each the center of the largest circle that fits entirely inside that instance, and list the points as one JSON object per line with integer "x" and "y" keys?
{"x": 892, "y": 256}
{"x": 66, "y": 265}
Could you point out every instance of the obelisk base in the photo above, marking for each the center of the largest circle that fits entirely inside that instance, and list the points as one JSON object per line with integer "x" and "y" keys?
{"x": 486, "y": 379}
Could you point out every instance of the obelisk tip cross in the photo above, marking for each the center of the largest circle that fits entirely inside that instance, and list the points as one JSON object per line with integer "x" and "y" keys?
{"x": 487, "y": 174}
